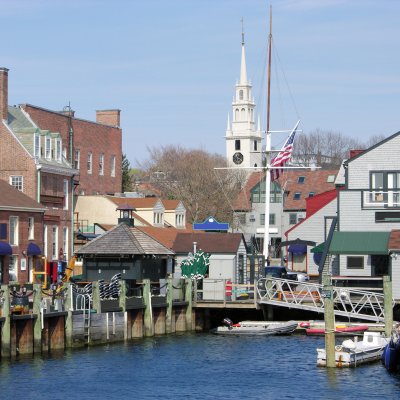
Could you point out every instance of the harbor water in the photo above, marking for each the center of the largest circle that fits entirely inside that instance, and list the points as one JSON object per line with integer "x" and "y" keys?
{"x": 194, "y": 366}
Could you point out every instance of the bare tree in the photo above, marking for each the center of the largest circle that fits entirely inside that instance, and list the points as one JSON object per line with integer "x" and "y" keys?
{"x": 189, "y": 175}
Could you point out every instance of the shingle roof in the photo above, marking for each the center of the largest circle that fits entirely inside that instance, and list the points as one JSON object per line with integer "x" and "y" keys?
{"x": 135, "y": 202}
{"x": 12, "y": 198}
{"x": 165, "y": 236}
{"x": 125, "y": 240}
{"x": 208, "y": 242}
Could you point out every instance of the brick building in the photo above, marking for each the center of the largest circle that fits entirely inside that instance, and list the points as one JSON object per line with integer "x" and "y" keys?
{"x": 21, "y": 235}
{"x": 93, "y": 148}
{"x": 31, "y": 160}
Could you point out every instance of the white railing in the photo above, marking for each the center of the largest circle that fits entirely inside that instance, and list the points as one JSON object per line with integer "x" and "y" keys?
{"x": 351, "y": 303}
{"x": 381, "y": 199}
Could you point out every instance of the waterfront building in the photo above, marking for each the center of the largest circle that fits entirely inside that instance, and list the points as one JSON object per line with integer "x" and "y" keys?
{"x": 21, "y": 235}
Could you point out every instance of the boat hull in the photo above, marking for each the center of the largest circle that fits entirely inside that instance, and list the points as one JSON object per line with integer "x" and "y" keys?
{"x": 339, "y": 331}
{"x": 257, "y": 328}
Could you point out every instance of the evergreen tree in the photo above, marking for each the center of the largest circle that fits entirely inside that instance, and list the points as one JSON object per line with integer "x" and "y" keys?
{"x": 126, "y": 176}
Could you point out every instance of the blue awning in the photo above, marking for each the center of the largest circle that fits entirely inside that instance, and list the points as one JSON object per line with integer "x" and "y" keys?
{"x": 33, "y": 250}
{"x": 5, "y": 249}
{"x": 297, "y": 249}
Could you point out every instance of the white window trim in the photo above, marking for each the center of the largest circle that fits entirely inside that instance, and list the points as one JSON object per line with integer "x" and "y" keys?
{"x": 113, "y": 160}
{"x": 14, "y": 239}
{"x": 17, "y": 177}
{"x": 54, "y": 243}
{"x": 90, "y": 162}
{"x": 48, "y": 147}
{"x": 66, "y": 194}
{"x": 58, "y": 149}
{"x": 65, "y": 243}
{"x": 31, "y": 228}
{"x": 101, "y": 164}
{"x": 77, "y": 159}
{"x": 45, "y": 241}
{"x": 37, "y": 145}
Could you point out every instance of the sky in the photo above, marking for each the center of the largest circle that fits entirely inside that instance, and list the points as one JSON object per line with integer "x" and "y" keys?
{"x": 171, "y": 66}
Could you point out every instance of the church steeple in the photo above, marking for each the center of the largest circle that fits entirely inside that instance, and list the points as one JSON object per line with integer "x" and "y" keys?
{"x": 243, "y": 138}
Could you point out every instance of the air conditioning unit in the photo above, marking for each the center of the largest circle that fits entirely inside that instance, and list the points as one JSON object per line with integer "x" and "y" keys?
{"x": 252, "y": 218}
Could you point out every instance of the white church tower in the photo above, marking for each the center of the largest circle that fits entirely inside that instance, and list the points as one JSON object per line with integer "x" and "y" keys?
{"x": 243, "y": 139}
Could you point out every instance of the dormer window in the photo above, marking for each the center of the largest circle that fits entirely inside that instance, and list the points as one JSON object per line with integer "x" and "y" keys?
{"x": 297, "y": 196}
{"x": 158, "y": 218}
{"x": 331, "y": 178}
{"x": 179, "y": 220}
{"x": 58, "y": 149}
{"x": 77, "y": 159}
{"x": 301, "y": 179}
{"x": 48, "y": 147}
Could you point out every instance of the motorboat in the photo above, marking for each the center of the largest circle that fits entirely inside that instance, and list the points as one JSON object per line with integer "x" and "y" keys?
{"x": 341, "y": 329}
{"x": 353, "y": 352}
{"x": 255, "y": 328}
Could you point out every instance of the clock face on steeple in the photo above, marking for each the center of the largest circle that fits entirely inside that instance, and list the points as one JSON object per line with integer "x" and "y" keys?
{"x": 238, "y": 158}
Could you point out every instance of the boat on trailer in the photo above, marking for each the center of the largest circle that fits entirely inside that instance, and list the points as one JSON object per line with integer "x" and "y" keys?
{"x": 255, "y": 328}
{"x": 353, "y": 352}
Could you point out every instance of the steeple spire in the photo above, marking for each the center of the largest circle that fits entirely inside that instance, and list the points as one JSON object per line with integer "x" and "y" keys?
{"x": 243, "y": 72}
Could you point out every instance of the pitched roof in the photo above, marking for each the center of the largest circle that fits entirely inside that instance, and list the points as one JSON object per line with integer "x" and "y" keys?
{"x": 12, "y": 198}
{"x": 208, "y": 242}
{"x": 124, "y": 240}
{"x": 166, "y": 236}
{"x": 135, "y": 202}
{"x": 314, "y": 182}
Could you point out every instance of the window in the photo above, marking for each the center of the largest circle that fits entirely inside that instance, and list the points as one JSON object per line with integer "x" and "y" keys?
{"x": 13, "y": 269}
{"x": 158, "y": 218}
{"x": 311, "y": 194}
{"x": 237, "y": 144}
{"x": 77, "y": 159}
{"x": 179, "y": 220}
{"x": 293, "y": 219}
{"x": 37, "y": 145}
{"x": 272, "y": 219}
{"x": 101, "y": 164}
{"x": 65, "y": 243}
{"x": 17, "y": 182}
{"x": 31, "y": 228}
{"x": 112, "y": 165}
{"x": 58, "y": 149}
{"x": 48, "y": 147}
{"x": 14, "y": 231}
{"x": 65, "y": 190}
{"x": 54, "y": 245}
{"x": 355, "y": 262}
{"x": 3, "y": 231}
{"x": 331, "y": 178}
{"x": 89, "y": 162}
{"x": 240, "y": 94}
{"x": 275, "y": 194}
{"x": 301, "y": 179}
{"x": 297, "y": 196}
{"x": 255, "y": 145}
{"x": 45, "y": 241}
{"x": 262, "y": 219}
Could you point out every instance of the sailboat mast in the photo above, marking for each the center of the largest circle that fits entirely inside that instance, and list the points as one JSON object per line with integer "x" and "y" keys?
{"x": 268, "y": 148}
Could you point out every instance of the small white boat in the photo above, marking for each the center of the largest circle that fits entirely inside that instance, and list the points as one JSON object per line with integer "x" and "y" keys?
{"x": 353, "y": 352}
{"x": 255, "y": 328}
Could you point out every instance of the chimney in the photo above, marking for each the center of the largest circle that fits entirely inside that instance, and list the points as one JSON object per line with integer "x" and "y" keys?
{"x": 108, "y": 117}
{"x": 3, "y": 93}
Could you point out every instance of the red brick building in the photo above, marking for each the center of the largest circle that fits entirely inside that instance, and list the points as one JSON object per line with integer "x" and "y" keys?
{"x": 21, "y": 235}
{"x": 93, "y": 148}
{"x": 31, "y": 160}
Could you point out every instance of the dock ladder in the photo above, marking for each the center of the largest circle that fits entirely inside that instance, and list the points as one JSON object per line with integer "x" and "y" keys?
{"x": 84, "y": 303}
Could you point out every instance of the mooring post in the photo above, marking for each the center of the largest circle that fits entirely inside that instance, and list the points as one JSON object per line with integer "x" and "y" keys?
{"x": 148, "y": 311}
{"x": 122, "y": 304}
{"x": 329, "y": 316}
{"x": 69, "y": 307}
{"x": 388, "y": 305}
{"x": 170, "y": 298}
{"x": 37, "y": 322}
{"x": 96, "y": 302}
{"x": 6, "y": 324}
{"x": 189, "y": 300}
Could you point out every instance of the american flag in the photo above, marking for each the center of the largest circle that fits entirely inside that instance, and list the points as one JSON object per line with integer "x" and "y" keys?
{"x": 283, "y": 156}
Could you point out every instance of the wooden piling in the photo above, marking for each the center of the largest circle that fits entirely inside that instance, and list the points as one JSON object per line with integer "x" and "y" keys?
{"x": 37, "y": 322}
{"x": 329, "y": 316}
{"x": 388, "y": 305}
{"x": 122, "y": 304}
{"x": 6, "y": 324}
{"x": 148, "y": 311}
{"x": 68, "y": 304}
{"x": 169, "y": 311}
{"x": 189, "y": 308}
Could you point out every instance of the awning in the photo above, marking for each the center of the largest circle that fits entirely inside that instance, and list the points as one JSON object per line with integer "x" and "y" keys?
{"x": 5, "y": 249}
{"x": 318, "y": 249}
{"x": 298, "y": 241}
{"x": 297, "y": 249}
{"x": 33, "y": 250}
{"x": 359, "y": 243}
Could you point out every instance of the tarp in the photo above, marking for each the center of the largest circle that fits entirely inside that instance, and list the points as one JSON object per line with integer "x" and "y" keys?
{"x": 5, "y": 249}
{"x": 318, "y": 249}
{"x": 359, "y": 243}
{"x": 33, "y": 250}
{"x": 297, "y": 249}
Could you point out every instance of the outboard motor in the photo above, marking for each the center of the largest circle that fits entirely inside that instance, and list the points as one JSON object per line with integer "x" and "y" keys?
{"x": 227, "y": 322}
